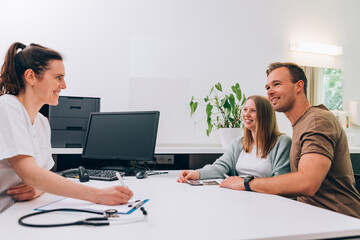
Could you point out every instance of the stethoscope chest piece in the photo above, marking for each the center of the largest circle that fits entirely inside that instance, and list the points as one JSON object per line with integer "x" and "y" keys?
{"x": 111, "y": 213}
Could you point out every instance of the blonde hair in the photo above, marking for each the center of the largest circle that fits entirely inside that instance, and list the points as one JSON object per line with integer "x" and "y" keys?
{"x": 266, "y": 131}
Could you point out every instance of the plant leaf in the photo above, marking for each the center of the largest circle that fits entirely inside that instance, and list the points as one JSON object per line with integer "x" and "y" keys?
{"x": 218, "y": 87}
{"x": 210, "y": 125}
{"x": 208, "y": 131}
{"x": 243, "y": 101}
{"x": 209, "y": 107}
{"x": 227, "y": 105}
{"x": 211, "y": 90}
{"x": 233, "y": 88}
{"x": 193, "y": 107}
{"x": 232, "y": 101}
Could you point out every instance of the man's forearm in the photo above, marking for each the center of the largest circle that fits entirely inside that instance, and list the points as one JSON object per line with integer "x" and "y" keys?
{"x": 290, "y": 184}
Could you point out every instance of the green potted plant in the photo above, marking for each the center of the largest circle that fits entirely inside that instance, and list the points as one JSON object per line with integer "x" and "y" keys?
{"x": 223, "y": 110}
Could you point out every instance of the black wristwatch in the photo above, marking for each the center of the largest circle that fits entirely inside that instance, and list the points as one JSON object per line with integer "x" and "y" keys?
{"x": 247, "y": 179}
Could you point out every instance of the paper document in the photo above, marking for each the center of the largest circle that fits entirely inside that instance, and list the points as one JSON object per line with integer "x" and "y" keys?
{"x": 81, "y": 204}
{"x": 203, "y": 182}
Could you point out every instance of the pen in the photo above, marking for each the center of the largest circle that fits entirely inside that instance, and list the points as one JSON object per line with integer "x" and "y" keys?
{"x": 225, "y": 175}
{"x": 119, "y": 177}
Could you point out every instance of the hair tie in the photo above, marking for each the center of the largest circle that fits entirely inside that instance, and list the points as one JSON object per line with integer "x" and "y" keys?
{"x": 20, "y": 49}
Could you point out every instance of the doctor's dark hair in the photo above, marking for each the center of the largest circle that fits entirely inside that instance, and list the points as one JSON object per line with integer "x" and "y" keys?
{"x": 266, "y": 132}
{"x": 18, "y": 59}
{"x": 296, "y": 72}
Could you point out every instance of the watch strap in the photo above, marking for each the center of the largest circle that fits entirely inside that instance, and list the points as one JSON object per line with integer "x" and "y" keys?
{"x": 246, "y": 182}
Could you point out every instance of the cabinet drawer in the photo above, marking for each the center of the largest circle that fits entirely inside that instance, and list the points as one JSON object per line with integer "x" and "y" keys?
{"x": 67, "y": 139}
{"x": 74, "y": 107}
{"x": 75, "y": 124}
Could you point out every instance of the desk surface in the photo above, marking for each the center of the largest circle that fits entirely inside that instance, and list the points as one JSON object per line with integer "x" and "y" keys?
{"x": 181, "y": 211}
{"x": 177, "y": 149}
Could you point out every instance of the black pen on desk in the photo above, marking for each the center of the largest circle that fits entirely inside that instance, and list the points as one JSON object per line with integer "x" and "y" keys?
{"x": 121, "y": 180}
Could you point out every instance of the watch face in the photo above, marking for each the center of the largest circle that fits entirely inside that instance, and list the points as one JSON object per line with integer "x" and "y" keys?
{"x": 249, "y": 177}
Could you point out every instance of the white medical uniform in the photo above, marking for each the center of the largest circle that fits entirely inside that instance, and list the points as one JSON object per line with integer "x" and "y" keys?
{"x": 19, "y": 137}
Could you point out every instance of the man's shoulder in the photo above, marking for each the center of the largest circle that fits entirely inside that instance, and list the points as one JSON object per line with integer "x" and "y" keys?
{"x": 318, "y": 113}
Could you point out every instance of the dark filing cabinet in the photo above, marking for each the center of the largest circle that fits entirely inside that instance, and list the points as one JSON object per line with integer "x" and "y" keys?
{"x": 69, "y": 120}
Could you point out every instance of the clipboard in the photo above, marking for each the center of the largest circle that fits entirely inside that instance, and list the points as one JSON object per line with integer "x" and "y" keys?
{"x": 125, "y": 209}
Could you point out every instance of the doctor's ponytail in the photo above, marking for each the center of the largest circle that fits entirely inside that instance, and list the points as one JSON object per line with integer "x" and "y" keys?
{"x": 18, "y": 59}
{"x": 9, "y": 81}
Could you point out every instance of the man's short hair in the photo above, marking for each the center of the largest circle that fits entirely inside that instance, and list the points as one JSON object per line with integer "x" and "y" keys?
{"x": 296, "y": 72}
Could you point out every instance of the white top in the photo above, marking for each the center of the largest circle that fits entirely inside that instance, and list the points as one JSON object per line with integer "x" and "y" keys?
{"x": 19, "y": 137}
{"x": 250, "y": 164}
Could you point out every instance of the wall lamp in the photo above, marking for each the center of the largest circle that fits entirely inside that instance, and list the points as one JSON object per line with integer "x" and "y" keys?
{"x": 316, "y": 48}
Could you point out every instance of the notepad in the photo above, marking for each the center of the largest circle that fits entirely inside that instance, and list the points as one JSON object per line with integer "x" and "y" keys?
{"x": 85, "y": 205}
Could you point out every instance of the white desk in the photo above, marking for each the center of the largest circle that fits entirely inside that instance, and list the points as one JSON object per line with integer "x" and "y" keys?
{"x": 181, "y": 211}
{"x": 159, "y": 150}
{"x": 177, "y": 149}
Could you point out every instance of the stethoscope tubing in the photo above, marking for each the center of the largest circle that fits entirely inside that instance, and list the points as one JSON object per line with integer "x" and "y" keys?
{"x": 99, "y": 221}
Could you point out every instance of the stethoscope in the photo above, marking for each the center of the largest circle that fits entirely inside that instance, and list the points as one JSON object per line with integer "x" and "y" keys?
{"x": 108, "y": 215}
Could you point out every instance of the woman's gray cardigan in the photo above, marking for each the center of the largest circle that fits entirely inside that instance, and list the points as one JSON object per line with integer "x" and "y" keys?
{"x": 278, "y": 156}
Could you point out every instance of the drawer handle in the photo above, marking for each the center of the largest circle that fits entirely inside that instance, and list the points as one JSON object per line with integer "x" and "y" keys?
{"x": 75, "y": 107}
{"x": 73, "y": 128}
{"x": 73, "y": 145}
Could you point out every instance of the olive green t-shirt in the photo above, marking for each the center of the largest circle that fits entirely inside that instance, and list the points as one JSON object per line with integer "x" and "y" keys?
{"x": 318, "y": 131}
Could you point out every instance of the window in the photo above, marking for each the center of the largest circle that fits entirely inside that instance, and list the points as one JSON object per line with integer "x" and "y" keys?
{"x": 332, "y": 89}
{"x": 324, "y": 87}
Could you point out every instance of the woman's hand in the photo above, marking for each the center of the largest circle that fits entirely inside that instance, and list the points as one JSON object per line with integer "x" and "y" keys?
{"x": 188, "y": 175}
{"x": 115, "y": 195}
{"x": 24, "y": 192}
{"x": 236, "y": 183}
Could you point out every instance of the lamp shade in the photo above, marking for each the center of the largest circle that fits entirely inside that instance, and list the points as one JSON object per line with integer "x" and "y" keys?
{"x": 318, "y": 48}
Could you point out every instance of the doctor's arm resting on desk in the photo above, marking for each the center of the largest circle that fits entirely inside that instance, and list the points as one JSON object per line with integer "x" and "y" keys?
{"x": 23, "y": 192}
{"x": 32, "y": 76}
{"x": 260, "y": 127}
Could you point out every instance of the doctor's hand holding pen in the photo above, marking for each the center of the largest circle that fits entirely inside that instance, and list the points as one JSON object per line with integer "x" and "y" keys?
{"x": 114, "y": 195}
{"x": 188, "y": 175}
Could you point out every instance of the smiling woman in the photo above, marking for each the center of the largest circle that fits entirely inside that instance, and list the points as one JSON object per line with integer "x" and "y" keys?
{"x": 32, "y": 76}
{"x": 50, "y": 83}
{"x": 262, "y": 152}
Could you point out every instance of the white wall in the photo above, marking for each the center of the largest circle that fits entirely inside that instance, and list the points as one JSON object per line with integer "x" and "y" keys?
{"x": 155, "y": 55}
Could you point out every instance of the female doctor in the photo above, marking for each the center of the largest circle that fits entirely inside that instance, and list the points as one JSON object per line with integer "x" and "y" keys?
{"x": 32, "y": 76}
